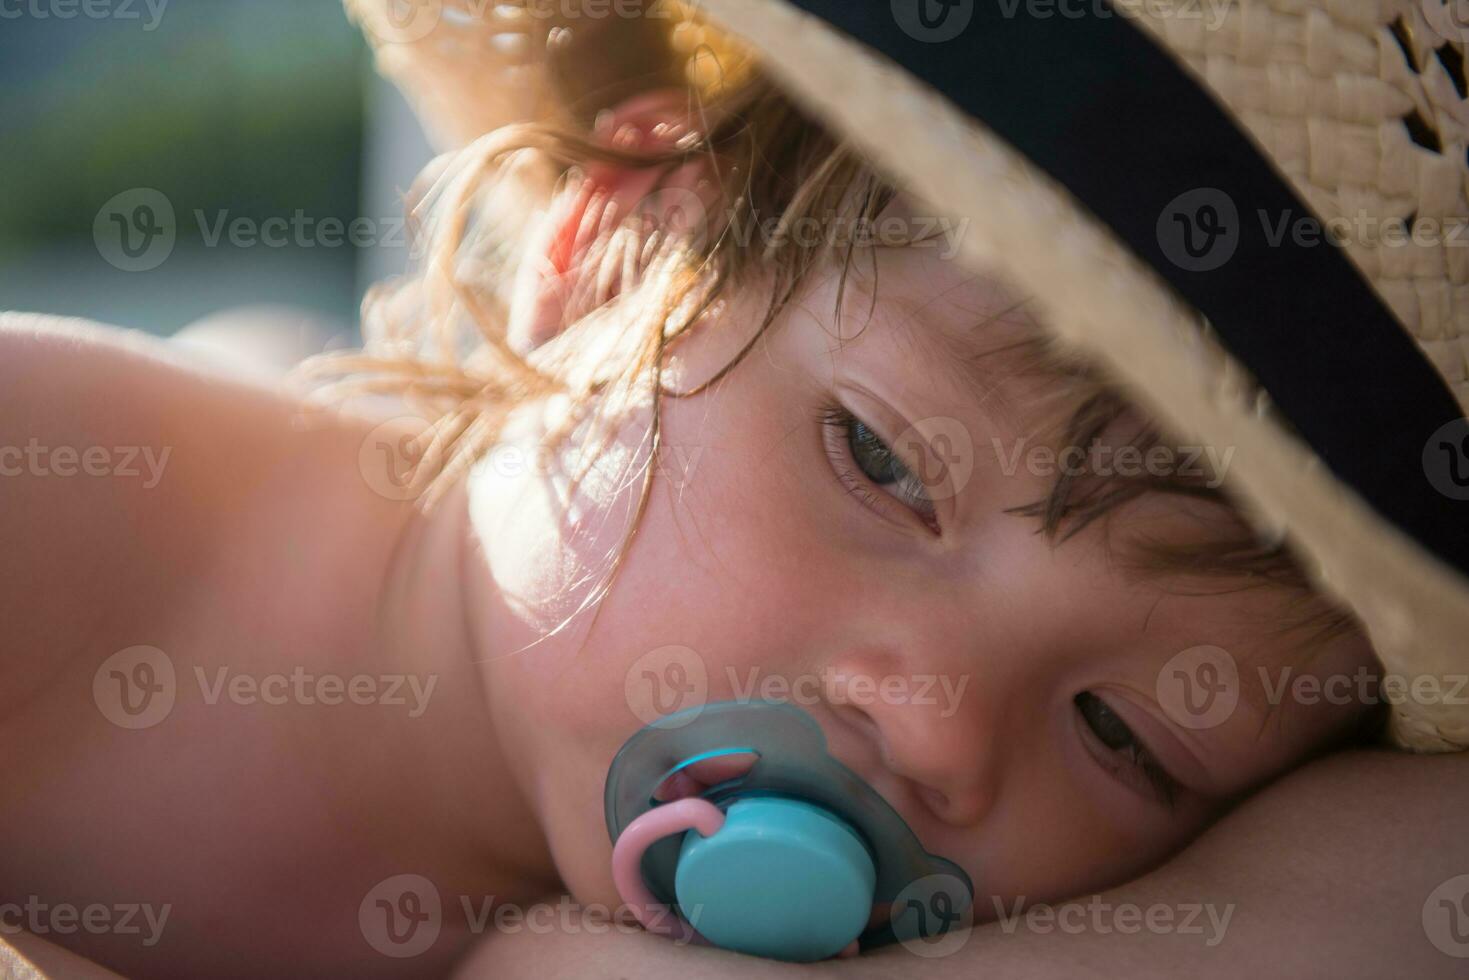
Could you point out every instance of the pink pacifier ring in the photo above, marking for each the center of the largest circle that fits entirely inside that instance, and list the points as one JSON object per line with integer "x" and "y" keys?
{"x": 663, "y": 821}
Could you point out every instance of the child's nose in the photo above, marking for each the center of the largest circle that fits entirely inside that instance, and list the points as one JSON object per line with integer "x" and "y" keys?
{"x": 931, "y": 729}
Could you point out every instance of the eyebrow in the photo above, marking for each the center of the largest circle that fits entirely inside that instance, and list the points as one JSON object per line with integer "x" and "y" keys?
{"x": 969, "y": 356}
{"x": 973, "y": 361}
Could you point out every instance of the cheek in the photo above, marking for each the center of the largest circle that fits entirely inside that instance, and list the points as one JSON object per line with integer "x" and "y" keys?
{"x": 548, "y": 551}
{"x": 727, "y": 578}
{"x": 725, "y": 517}
{"x": 748, "y": 563}
{"x": 696, "y": 613}
{"x": 1060, "y": 829}
{"x": 727, "y": 570}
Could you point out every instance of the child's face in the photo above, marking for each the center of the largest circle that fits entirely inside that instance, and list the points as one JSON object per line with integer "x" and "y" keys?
{"x": 942, "y": 646}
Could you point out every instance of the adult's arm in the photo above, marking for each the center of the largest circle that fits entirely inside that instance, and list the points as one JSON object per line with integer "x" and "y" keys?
{"x": 1325, "y": 874}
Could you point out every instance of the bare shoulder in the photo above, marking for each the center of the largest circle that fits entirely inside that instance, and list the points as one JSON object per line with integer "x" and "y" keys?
{"x": 131, "y": 473}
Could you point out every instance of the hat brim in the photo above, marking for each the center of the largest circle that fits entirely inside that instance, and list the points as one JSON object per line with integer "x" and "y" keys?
{"x": 1106, "y": 304}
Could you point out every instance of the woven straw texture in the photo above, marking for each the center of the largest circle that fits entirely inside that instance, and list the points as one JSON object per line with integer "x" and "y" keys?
{"x": 469, "y": 67}
{"x": 1359, "y": 104}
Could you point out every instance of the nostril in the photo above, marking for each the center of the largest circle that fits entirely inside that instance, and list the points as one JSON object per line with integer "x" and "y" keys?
{"x": 919, "y": 759}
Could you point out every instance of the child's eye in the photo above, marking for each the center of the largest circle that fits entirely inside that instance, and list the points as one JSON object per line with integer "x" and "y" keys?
{"x": 1133, "y": 760}
{"x": 857, "y": 445}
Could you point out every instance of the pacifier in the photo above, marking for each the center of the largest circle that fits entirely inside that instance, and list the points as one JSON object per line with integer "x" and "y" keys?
{"x": 788, "y": 854}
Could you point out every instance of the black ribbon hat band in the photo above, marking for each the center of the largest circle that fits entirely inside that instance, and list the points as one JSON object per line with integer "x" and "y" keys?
{"x": 1091, "y": 100}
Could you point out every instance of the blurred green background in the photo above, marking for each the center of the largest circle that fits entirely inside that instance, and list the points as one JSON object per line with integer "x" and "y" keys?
{"x": 232, "y": 109}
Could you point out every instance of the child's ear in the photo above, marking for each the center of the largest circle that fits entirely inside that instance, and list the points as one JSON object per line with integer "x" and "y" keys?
{"x": 562, "y": 277}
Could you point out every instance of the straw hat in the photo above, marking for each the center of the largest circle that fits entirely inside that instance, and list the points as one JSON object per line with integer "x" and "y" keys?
{"x": 1148, "y": 171}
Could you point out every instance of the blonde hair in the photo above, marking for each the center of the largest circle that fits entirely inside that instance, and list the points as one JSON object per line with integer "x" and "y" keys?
{"x": 438, "y": 337}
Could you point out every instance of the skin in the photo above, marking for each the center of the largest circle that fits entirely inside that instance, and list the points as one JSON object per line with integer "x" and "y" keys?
{"x": 494, "y": 789}
{"x": 787, "y": 572}
{"x": 271, "y": 546}
{"x": 263, "y": 549}
{"x": 1315, "y": 885}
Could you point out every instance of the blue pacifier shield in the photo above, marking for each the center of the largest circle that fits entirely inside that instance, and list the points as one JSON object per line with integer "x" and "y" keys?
{"x": 822, "y": 875}
{"x": 807, "y": 851}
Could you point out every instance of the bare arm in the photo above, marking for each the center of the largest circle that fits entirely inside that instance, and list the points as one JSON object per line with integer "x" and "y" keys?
{"x": 148, "y": 504}
{"x": 1325, "y": 874}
